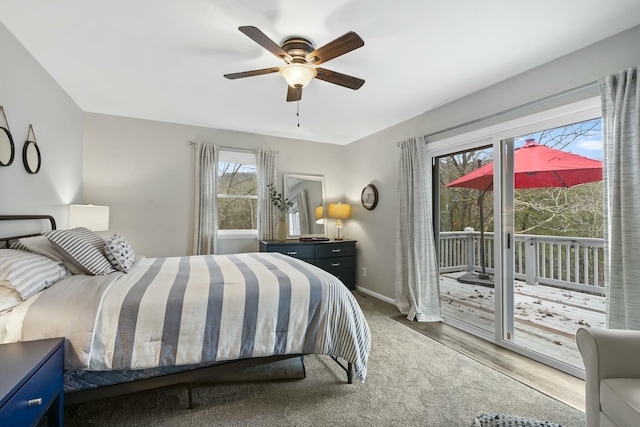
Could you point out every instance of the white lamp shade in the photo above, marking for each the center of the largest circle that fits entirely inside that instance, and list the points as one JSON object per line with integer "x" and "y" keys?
{"x": 95, "y": 218}
{"x": 298, "y": 74}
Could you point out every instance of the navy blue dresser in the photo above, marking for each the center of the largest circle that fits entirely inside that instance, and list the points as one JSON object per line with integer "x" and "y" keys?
{"x": 338, "y": 257}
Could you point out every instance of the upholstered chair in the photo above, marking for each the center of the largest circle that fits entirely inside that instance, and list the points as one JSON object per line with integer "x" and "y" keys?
{"x": 612, "y": 376}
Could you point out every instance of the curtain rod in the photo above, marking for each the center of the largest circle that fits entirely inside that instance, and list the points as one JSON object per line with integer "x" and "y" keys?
{"x": 510, "y": 110}
{"x": 247, "y": 150}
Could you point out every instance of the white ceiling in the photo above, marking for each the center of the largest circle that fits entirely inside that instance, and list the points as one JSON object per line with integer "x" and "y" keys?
{"x": 165, "y": 59}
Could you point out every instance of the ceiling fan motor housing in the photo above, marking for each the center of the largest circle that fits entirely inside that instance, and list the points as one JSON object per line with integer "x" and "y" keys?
{"x": 298, "y": 48}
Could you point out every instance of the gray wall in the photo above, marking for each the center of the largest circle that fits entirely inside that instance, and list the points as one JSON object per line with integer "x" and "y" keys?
{"x": 30, "y": 96}
{"x": 144, "y": 170}
{"x": 375, "y": 158}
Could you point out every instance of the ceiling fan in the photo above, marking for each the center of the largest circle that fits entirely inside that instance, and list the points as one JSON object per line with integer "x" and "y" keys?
{"x": 301, "y": 58}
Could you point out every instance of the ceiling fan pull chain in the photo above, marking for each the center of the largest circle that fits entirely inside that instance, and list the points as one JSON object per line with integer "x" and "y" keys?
{"x": 298, "y": 111}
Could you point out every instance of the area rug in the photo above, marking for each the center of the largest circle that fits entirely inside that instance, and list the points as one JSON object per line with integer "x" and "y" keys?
{"x": 499, "y": 420}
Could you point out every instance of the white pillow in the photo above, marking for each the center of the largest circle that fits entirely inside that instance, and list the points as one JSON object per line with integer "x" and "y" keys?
{"x": 82, "y": 247}
{"x": 28, "y": 273}
{"x": 119, "y": 253}
{"x": 9, "y": 297}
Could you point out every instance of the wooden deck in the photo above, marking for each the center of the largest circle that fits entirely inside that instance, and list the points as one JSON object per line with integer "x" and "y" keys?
{"x": 546, "y": 318}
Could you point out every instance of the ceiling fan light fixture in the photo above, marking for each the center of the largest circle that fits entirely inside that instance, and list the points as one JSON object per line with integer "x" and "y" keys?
{"x": 298, "y": 75}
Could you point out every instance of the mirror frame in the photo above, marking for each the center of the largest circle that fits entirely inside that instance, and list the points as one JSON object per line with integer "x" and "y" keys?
{"x": 324, "y": 200}
{"x": 25, "y": 157}
{"x": 12, "y": 147}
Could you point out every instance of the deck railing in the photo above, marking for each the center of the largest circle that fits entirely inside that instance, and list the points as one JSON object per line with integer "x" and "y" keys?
{"x": 575, "y": 263}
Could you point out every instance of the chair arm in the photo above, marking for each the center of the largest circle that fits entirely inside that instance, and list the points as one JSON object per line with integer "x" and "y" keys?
{"x": 606, "y": 353}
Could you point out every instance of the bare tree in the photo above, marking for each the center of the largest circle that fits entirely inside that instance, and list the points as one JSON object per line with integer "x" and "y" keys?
{"x": 575, "y": 211}
{"x": 235, "y": 209}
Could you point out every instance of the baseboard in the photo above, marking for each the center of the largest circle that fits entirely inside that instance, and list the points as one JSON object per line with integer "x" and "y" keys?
{"x": 376, "y": 295}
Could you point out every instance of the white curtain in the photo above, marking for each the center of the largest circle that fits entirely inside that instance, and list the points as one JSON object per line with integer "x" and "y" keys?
{"x": 417, "y": 276}
{"x": 303, "y": 209}
{"x": 620, "y": 95}
{"x": 205, "y": 219}
{"x": 266, "y": 167}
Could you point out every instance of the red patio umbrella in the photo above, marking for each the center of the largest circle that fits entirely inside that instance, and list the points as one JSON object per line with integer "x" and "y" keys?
{"x": 534, "y": 166}
{"x": 537, "y": 166}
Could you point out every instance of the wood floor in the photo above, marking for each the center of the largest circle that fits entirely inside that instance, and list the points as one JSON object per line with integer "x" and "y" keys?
{"x": 546, "y": 318}
{"x": 556, "y": 384}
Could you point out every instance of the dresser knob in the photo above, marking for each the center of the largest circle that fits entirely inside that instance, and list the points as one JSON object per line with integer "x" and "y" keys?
{"x": 335, "y": 264}
{"x": 35, "y": 402}
{"x": 292, "y": 253}
{"x": 335, "y": 250}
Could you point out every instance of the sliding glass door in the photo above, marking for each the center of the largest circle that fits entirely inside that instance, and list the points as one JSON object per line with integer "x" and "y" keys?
{"x": 465, "y": 218}
{"x": 552, "y": 227}
{"x": 519, "y": 221}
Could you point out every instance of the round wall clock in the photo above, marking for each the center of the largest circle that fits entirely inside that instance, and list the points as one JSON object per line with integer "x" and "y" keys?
{"x": 369, "y": 197}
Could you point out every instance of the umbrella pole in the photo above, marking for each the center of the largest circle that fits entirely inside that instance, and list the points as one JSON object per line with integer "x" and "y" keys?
{"x": 483, "y": 275}
{"x": 472, "y": 277}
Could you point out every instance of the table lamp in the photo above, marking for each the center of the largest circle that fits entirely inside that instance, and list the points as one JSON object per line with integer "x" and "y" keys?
{"x": 95, "y": 218}
{"x": 339, "y": 211}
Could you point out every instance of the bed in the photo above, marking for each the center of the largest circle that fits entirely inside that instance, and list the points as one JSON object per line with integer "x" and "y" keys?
{"x": 161, "y": 321}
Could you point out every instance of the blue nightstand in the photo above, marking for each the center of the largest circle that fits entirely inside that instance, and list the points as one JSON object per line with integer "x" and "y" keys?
{"x": 31, "y": 382}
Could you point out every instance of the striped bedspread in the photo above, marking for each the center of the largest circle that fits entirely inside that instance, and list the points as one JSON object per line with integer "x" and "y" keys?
{"x": 201, "y": 309}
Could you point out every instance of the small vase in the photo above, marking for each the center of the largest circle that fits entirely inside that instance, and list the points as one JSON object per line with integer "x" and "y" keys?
{"x": 281, "y": 228}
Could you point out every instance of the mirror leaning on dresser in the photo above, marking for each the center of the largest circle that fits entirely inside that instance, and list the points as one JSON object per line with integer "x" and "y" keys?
{"x": 306, "y": 216}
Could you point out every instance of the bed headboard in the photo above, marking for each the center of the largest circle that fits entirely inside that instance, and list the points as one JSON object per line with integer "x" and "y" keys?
{"x": 6, "y": 240}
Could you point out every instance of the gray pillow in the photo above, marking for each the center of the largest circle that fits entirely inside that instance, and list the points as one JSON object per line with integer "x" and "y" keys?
{"x": 41, "y": 245}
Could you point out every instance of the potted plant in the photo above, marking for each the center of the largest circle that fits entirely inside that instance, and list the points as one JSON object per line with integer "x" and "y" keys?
{"x": 283, "y": 205}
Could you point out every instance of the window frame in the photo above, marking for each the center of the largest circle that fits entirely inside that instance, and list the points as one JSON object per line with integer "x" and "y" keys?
{"x": 245, "y": 158}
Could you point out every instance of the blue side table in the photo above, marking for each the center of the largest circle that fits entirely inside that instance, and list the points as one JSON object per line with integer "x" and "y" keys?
{"x": 31, "y": 382}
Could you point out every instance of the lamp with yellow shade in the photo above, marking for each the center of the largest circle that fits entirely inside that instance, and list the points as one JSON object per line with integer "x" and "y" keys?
{"x": 339, "y": 211}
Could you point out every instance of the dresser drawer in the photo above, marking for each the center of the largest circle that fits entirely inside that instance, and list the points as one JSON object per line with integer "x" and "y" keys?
{"x": 334, "y": 265}
{"x": 332, "y": 250}
{"x": 304, "y": 252}
{"x": 33, "y": 399}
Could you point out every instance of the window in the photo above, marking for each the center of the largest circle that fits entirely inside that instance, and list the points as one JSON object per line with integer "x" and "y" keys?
{"x": 237, "y": 192}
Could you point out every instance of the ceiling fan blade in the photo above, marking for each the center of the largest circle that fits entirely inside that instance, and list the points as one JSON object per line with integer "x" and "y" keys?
{"x": 294, "y": 93}
{"x": 339, "y": 79}
{"x": 261, "y": 38}
{"x": 252, "y": 73}
{"x": 340, "y": 46}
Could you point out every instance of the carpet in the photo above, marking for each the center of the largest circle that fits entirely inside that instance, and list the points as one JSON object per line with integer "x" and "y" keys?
{"x": 412, "y": 381}
{"x": 499, "y": 420}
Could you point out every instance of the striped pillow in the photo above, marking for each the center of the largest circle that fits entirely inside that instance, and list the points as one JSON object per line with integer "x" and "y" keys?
{"x": 28, "y": 273}
{"x": 17, "y": 244}
{"x": 82, "y": 247}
